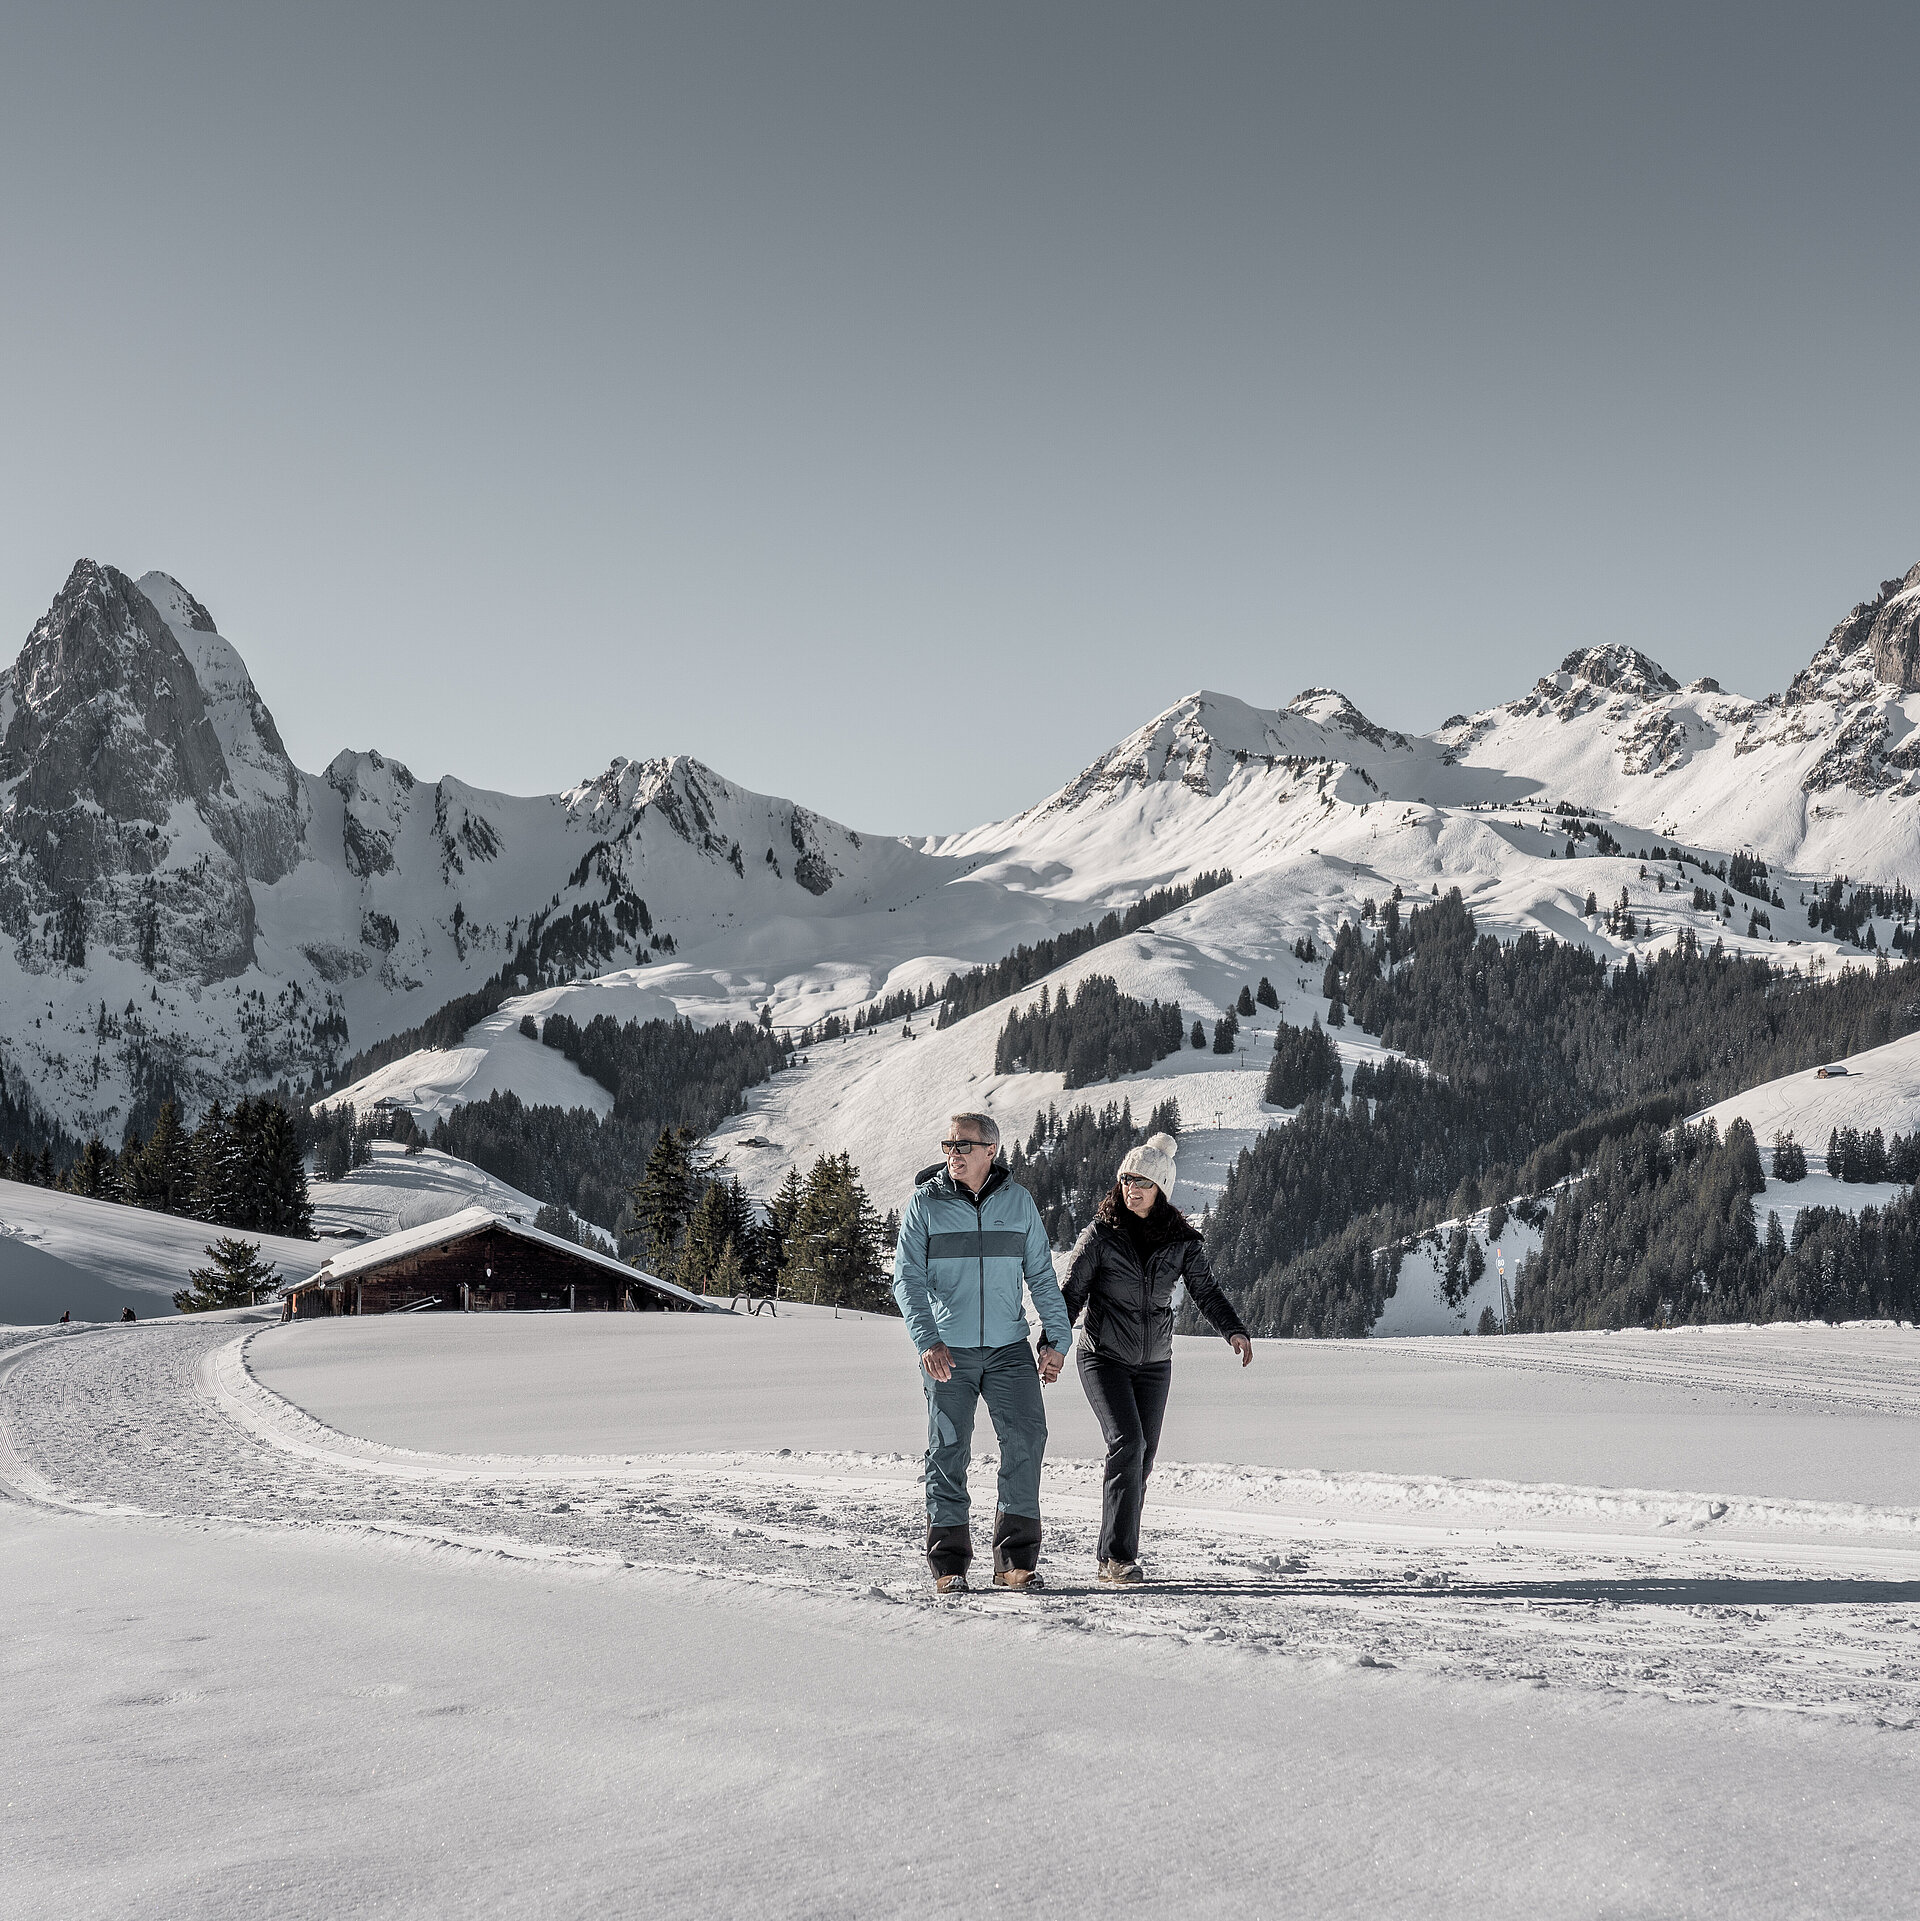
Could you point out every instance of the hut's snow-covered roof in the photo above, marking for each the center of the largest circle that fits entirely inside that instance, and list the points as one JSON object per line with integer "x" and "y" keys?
{"x": 478, "y": 1220}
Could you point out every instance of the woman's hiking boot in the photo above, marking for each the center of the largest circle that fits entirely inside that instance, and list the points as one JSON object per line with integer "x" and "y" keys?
{"x": 1020, "y": 1577}
{"x": 1121, "y": 1574}
{"x": 950, "y": 1584}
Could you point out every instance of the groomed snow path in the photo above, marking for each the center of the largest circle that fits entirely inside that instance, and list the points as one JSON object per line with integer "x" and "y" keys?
{"x": 257, "y": 1662}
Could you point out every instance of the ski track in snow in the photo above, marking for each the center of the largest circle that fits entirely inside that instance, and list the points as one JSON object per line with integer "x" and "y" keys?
{"x": 1837, "y": 1368}
{"x": 165, "y": 1424}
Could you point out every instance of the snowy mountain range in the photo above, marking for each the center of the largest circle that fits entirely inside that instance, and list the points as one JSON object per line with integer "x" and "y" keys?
{"x": 183, "y": 908}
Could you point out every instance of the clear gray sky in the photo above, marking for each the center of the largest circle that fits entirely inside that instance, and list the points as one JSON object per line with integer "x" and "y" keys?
{"x": 894, "y": 405}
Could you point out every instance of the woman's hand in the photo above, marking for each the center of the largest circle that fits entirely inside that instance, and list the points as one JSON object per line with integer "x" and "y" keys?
{"x": 1050, "y": 1359}
{"x": 1242, "y": 1347}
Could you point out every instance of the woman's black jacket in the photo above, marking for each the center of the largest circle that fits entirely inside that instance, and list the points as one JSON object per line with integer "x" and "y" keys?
{"x": 1125, "y": 1276}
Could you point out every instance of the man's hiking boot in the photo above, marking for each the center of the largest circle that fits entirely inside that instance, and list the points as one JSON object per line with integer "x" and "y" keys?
{"x": 1020, "y": 1577}
{"x": 1121, "y": 1574}
{"x": 950, "y": 1584}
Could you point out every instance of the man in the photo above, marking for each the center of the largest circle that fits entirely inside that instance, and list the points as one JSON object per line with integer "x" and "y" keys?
{"x": 969, "y": 1241}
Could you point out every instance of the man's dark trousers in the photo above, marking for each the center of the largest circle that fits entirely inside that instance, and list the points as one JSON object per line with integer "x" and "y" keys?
{"x": 1129, "y": 1403}
{"x": 1007, "y": 1379}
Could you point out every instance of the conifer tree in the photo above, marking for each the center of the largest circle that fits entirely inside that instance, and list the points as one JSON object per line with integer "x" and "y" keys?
{"x": 739, "y": 1217}
{"x": 236, "y": 1274}
{"x": 1305, "y": 1065}
{"x": 559, "y": 1220}
{"x": 1244, "y": 1005}
{"x": 1264, "y": 993}
{"x": 126, "y": 1167}
{"x": 283, "y": 1206}
{"x": 776, "y": 1237}
{"x": 244, "y": 1208}
{"x": 833, "y": 1258}
{"x": 705, "y": 1236}
{"x": 93, "y": 1173}
{"x": 663, "y": 1197}
{"x": 1199, "y": 1035}
{"x": 211, "y": 1156}
{"x": 731, "y": 1276}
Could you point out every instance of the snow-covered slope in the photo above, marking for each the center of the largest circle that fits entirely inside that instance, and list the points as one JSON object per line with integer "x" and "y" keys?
{"x": 885, "y": 1099}
{"x": 398, "y": 1190}
{"x": 126, "y": 1255}
{"x": 1880, "y": 1088}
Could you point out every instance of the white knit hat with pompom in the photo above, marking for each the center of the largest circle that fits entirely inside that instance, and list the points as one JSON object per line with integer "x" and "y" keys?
{"x": 1154, "y": 1159}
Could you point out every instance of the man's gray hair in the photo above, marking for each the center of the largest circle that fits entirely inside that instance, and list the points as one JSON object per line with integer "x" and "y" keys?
{"x": 983, "y": 1125}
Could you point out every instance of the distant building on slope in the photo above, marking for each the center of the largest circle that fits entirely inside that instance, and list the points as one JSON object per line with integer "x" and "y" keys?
{"x": 477, "y": 1261}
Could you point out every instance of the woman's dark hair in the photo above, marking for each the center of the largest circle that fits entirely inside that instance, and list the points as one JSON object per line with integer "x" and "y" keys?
{"x": 1113, "y": 1210}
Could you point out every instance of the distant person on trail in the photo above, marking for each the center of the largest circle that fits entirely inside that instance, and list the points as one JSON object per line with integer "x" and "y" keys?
{"x": 970, "y": 1240}
{"x": 66, "y": 1317}
{"x": 127, "y": 1314}
{"x": 1123, "y": 1271}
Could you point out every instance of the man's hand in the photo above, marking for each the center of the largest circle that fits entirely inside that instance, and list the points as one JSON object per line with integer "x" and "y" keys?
{"x": 1242, "y": 1347}
{"x": 938, "y": 1361}
{"x": 1051, "y": 1361}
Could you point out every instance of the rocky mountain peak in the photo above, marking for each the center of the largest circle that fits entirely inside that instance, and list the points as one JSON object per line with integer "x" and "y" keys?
{"x": 1328, "y": 707}
{"x": 270, "y": 819}
{"x": 176, "y": 606}
{"x": 108, "y": 711}
{"x": 124, "y": 825}
{"x": 1880, "y": 637}
{"x": 1619, "y": 670}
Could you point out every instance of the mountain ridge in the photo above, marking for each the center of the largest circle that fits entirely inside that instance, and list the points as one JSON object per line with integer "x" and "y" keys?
{"x": 181, "y": 907}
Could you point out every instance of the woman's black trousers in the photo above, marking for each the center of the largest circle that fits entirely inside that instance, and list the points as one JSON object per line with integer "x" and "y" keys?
{"x": 1128, "y": 1402}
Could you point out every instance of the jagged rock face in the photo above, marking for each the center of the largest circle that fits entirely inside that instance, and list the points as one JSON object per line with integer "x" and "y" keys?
{"x": 269, "y": 825}
{"x": 1880, "y": 636}
{"x": 376, "y": 793}
{"x": 1621, "y": 670}
{"x": 715, "y": 818}
{"x": 1849, "y": 695}
{"x": 1622, "y": 681}
{"x": 121, "y": 822}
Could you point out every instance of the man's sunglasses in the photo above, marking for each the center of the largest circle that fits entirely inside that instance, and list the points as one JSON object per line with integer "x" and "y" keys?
{"x": 960, "y": 1147}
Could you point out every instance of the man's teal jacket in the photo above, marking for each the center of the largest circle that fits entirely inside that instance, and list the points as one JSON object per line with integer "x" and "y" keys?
{"x": 959, "y": 1265}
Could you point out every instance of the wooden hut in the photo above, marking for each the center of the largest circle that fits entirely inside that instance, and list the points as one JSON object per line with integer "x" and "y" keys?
{"x": 476, "y": 1261}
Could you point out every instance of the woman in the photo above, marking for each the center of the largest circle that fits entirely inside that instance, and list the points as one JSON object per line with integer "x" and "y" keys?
{"x": 1123, "y": 1272}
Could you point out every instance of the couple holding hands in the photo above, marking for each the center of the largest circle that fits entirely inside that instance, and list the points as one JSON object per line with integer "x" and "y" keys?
{"x": 971, "y": 1243}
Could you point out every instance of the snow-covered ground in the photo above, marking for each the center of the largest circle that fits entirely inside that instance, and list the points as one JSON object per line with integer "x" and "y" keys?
{"x": 1881, "y": 1088}
{"x": 1424, "y": 1637}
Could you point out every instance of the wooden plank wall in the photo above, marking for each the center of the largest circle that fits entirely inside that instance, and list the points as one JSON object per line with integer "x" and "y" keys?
{"x": 499, "y": 1272}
